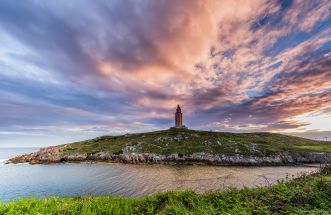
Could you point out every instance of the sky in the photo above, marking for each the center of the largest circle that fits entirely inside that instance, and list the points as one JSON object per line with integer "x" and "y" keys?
{"x": 72, "y": 70}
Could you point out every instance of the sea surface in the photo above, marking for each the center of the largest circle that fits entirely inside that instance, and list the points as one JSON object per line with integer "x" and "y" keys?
{"x": 73, "y": 179}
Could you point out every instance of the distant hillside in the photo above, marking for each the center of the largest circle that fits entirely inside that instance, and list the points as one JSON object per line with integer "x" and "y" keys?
{"x": 185, "y": 141}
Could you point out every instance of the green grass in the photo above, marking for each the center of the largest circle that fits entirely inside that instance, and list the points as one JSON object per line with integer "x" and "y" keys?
{"x": 317, "y": 147}
{"x": 307, "y": 195}
{"x": 185, "y": 141}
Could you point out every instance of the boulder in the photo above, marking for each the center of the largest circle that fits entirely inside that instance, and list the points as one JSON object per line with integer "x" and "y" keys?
{"x": 100, "y": 156}
{"x": 74, "y": 157}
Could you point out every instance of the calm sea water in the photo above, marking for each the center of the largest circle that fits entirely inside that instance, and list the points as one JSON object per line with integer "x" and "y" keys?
{"x": 22, "y": 180}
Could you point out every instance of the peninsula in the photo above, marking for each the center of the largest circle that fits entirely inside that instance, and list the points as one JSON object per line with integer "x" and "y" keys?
{"x": 181, "y": 145}
{"x": 185, "y": 146}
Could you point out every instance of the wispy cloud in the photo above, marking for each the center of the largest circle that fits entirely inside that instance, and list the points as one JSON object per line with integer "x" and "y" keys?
{"x": 112, "y": 65}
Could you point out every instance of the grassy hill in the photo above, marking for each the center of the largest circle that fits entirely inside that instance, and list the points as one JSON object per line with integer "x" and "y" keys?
{"x": 185, "y": 141}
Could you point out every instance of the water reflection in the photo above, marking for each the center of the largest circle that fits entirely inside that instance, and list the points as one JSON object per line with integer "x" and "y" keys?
{"x": 131, "y": 180}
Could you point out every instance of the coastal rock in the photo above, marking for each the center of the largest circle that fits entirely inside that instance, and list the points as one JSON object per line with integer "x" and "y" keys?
{"x": 49, "y": 155}
{"x": 101, "y": 156}
{"x": 74, "y": 157}
{"x": 20, "y": 159}
{"x": 54, "y": 155}
{"x": 172, "y": 157}
{"x": 44, "y": 155}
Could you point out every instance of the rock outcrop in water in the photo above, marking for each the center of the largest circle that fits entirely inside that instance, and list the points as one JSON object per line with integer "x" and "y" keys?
{"x": 55, "y": 155}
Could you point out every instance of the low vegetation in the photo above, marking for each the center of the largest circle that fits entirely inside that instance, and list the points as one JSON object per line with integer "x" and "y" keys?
{"x": 185, "y": 141}
{"x": 306, "y": 195}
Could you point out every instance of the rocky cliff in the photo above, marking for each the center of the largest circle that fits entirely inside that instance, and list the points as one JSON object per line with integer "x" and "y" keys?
{"x": 55, "y": 155}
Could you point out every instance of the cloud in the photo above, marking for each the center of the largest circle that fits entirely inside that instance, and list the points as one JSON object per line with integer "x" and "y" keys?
{"x": 230, "y": 64}
{"x": 287, "y": 125}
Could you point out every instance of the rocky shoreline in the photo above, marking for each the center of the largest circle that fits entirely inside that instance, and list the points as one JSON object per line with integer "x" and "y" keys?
{"x": 56, "y": 155}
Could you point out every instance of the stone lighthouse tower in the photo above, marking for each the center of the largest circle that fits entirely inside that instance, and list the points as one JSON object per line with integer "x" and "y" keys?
{"x": 178, "y": 118}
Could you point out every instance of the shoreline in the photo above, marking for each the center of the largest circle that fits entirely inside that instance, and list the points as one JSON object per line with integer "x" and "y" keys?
{"x": 308, "y": 165}
{"x": 306, "y": 193}
{"x": 54, "y": 155}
